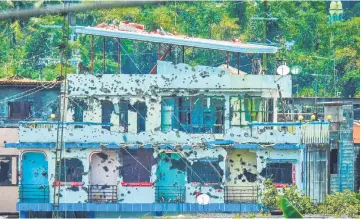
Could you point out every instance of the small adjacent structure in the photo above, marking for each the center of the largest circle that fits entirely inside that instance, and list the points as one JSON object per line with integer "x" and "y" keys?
{"x": 21, "y": 99}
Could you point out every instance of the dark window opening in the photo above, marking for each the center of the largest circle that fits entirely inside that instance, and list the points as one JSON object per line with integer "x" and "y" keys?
{"x": 205, "y": 171}
{"x": 107, "y": 109}
{"x": 278, "y": 172}
{"x": 141, "y": 110}
{"x": 136, "y": 165}
{"x": 78, "y": 116}
{"x": 72, "y": 170}
{"x": 198, "y": 114}
{"x": 122, "y": 110}
{"x": 5, "y": 171}
{"x": 333, "y": 161}
{"x": 250, "y": 109}
{"x": 19, "y": 110}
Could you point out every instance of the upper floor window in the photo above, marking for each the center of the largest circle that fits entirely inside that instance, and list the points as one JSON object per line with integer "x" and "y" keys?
{"x": 19, "y": 110}
{"x": 136, "y": 165}
{"x": 250, "y": 109}
{"x": 197, "y": 114}
{"x": 131, "y": 117}
{"x": 207, "y": 171}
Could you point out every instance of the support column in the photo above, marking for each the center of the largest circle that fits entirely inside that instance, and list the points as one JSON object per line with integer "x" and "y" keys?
{"x": 92, "y": 54}
{"x": 238, "y": 62}
{"x": 119, "y": 57}
{"x": 104, "y": 55}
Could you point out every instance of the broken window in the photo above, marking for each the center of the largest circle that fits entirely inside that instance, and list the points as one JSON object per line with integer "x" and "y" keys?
{"x": 19, "y": 110}
{"x": 250, "y": 109}
{"x": 136, "y": 165}
{"x": 8, "y": 170}
{"x": 107, "y": 110}
{"x": 206, "y": 170}
{"x": 198, "y": 114}
{"x": 278, "y": 172}
{"x": 72, "y": 170}
{"x": 333, "y": 161}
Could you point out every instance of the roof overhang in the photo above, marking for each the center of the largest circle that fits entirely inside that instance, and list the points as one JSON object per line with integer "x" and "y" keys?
{"x": 178, "y": 40}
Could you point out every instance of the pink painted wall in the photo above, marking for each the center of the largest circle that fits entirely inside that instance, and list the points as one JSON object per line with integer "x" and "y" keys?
{"x": 9, "y": 194}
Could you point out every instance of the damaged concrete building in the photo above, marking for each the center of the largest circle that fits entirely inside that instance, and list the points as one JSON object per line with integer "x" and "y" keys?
{"x": 136, "y": 144}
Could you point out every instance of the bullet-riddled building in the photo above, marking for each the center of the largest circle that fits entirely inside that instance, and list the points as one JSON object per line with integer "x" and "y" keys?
{"x": 136, "y": 144}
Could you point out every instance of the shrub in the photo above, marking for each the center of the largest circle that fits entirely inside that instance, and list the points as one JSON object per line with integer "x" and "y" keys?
{"x": 340, "y": 204}
{"x": 302, "y": 203}
{"x": 269, "y": 196}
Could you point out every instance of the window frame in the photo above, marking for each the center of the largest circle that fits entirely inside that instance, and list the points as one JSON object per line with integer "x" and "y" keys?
{"x": 290, "y": 181}
{"x": 19, "y": 115}
{"x": 134, "y": 168}
{"x": 185, "y": 112}
{"x": 11, "y": 170}
{"x": 269, "y": 112}
{"x": 203, "y": 174}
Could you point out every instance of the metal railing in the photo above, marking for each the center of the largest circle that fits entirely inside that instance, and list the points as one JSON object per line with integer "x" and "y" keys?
{"x": 170, "y": 194}
{"x": 33, "y": 193}
{"x": 240, "y": 194}
{"x": 102, "y": 193}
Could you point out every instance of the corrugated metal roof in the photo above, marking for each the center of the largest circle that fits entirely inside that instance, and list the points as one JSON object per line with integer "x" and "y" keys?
{"x": 135, "y": 32}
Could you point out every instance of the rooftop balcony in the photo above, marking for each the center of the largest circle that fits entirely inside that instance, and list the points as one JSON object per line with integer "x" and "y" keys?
{"x": 88, "y": 134}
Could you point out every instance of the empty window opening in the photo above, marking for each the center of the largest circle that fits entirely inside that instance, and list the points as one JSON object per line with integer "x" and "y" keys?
{"x": 278, "y": 172}
{"x": 250, "y": 109}
{"x": 5, "y": 171}
{"x": 141, "y": 109}
{"x": 107, "y": 109}
{"x": 79, "y": 107}
{"x": 72, "y": 170}
{"x": 198, "y": 114}
{"x": 136, "y": 165}
{"x": 19, "y": 110}
{"x": 122, "y": 110}
{"x": 205, "y": 171}
{"x": 333, "y": 161}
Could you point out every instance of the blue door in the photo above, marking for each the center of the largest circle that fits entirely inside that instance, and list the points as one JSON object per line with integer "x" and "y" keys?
{"x": 170, "y": 185}
{"x": 34, "y": 187}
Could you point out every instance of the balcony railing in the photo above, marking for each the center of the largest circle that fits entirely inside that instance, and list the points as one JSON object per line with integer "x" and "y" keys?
{"x": 170, "y": 194}
{"x": 240, "y": 194}
{"x": 33, "y": 193}
{"x": 54, "y": 124}
{"x": 102, "y": 193}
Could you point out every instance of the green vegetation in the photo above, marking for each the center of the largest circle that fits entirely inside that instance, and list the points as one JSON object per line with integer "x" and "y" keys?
{"x": 328, "y": 54}
{"x": 289, "y": 211}
{"x": 339, "y": 204}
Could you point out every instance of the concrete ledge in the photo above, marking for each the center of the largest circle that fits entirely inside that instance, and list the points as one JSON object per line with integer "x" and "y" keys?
{"x": 151, "y": 207}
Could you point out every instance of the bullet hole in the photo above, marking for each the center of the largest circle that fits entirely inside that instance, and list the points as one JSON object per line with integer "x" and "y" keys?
{"x": 231, "y": 161}
{"x": 44, "y": 174}
{"x": 128, "y": 192}
{"x": 106, "y": 168}
{"x": 122, "y": 194}
{"x": 249, "y": 176}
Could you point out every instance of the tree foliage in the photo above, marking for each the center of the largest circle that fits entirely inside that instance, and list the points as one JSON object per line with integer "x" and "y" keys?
{"x": 328, "y": 54}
